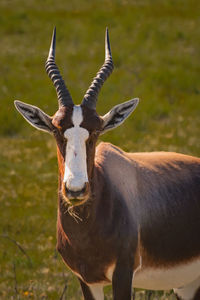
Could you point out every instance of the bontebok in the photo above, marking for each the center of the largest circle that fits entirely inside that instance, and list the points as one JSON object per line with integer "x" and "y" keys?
{"x": 130, "y": 219}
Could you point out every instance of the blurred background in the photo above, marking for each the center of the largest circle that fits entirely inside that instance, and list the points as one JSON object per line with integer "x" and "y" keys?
{"x": 155, "y": 46}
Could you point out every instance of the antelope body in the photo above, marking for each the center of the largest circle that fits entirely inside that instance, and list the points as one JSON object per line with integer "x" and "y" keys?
{"x": 130, "y": 219}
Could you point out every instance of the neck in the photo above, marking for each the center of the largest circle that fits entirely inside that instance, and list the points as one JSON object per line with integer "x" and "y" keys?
{"x": 92, "y": 220}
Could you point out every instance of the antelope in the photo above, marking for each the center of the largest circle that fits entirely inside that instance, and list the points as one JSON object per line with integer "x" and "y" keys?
{"x": 126, "y": 219}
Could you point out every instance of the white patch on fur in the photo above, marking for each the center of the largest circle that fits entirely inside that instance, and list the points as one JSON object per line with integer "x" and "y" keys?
{"x": 137, "y": 269}
{"x": 166, "y": 279}
{"x": 110, "y": 271}
{"x": 75, "y": 175}
{"x": 97, "y": 291}
{"x": 188, "y": 292}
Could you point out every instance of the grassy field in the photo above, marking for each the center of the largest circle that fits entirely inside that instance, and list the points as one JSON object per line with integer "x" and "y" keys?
{"x": 155, "y": 46}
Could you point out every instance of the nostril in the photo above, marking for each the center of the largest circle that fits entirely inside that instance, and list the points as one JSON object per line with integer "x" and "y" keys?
{"x": 84, "y": 188}
{"x": 76, "y": 194}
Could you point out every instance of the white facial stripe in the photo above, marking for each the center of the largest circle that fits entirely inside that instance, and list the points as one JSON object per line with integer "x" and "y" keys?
{"x": 77, "y": 116}
{"x": 75, "y": 161}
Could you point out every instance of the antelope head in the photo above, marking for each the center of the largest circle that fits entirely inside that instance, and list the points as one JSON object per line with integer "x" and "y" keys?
{"x": 76, "y": 127}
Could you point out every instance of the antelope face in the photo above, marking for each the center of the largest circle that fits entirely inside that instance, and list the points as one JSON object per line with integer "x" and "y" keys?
{"x": 76, "y": 127}
{"x": 76, "y": 131}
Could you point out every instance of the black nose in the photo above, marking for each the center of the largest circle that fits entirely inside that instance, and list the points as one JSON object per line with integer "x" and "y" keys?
{"x": 75, "y": 194}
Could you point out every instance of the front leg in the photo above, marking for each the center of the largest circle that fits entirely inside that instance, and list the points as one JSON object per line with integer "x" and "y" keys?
{"x": 92, "y": 292}
{"x": 122, "y": 278}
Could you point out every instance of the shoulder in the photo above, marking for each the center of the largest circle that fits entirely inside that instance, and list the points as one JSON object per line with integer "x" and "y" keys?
{"x": 107, "y": 153}
{"x": 106, "y": 148}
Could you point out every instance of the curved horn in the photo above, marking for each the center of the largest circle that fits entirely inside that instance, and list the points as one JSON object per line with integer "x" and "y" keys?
{"x": 64, "y": 97}
{"x": 91, "y": 95}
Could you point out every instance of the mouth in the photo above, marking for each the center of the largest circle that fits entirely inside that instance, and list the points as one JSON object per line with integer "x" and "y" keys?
{"x": 74, "y": 199}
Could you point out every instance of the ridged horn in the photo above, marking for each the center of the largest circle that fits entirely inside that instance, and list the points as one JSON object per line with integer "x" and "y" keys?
{"x": 64, "y": 97}
{"x": 90, "y": 98}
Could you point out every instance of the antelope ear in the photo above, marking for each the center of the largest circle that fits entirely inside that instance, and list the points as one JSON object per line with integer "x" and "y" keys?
{"x": 35, "y": 116}
{"x": 118, "y": 114}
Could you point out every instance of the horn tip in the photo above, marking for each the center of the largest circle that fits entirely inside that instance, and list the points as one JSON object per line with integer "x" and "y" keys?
{"x": 107, "y": 34}
{"x": 54, "y": 35}
{"x": 54, "y": 30}
{"x": 53, "y": 44}
{"x": 107, "y": 44}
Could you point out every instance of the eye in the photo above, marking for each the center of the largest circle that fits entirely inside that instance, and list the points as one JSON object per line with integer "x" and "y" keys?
{"x": 97, "y": 132}
{"x": 90, "y": 142}
{"x": 55, "y": 131}
{"x": 92, "y": 138}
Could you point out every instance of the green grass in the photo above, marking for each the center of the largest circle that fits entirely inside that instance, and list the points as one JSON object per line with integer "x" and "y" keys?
{"x": 155, "y": 46}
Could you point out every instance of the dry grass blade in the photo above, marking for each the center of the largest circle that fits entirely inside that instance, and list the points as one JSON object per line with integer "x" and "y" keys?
{"x": 18, "y": 245}
{"x": 63, "y": 292}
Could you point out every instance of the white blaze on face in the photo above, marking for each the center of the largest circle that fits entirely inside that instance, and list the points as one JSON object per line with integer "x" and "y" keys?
{"x": 75, "y": 175}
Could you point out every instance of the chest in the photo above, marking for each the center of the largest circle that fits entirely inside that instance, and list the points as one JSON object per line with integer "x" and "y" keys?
{"x": 89, "y": 256}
